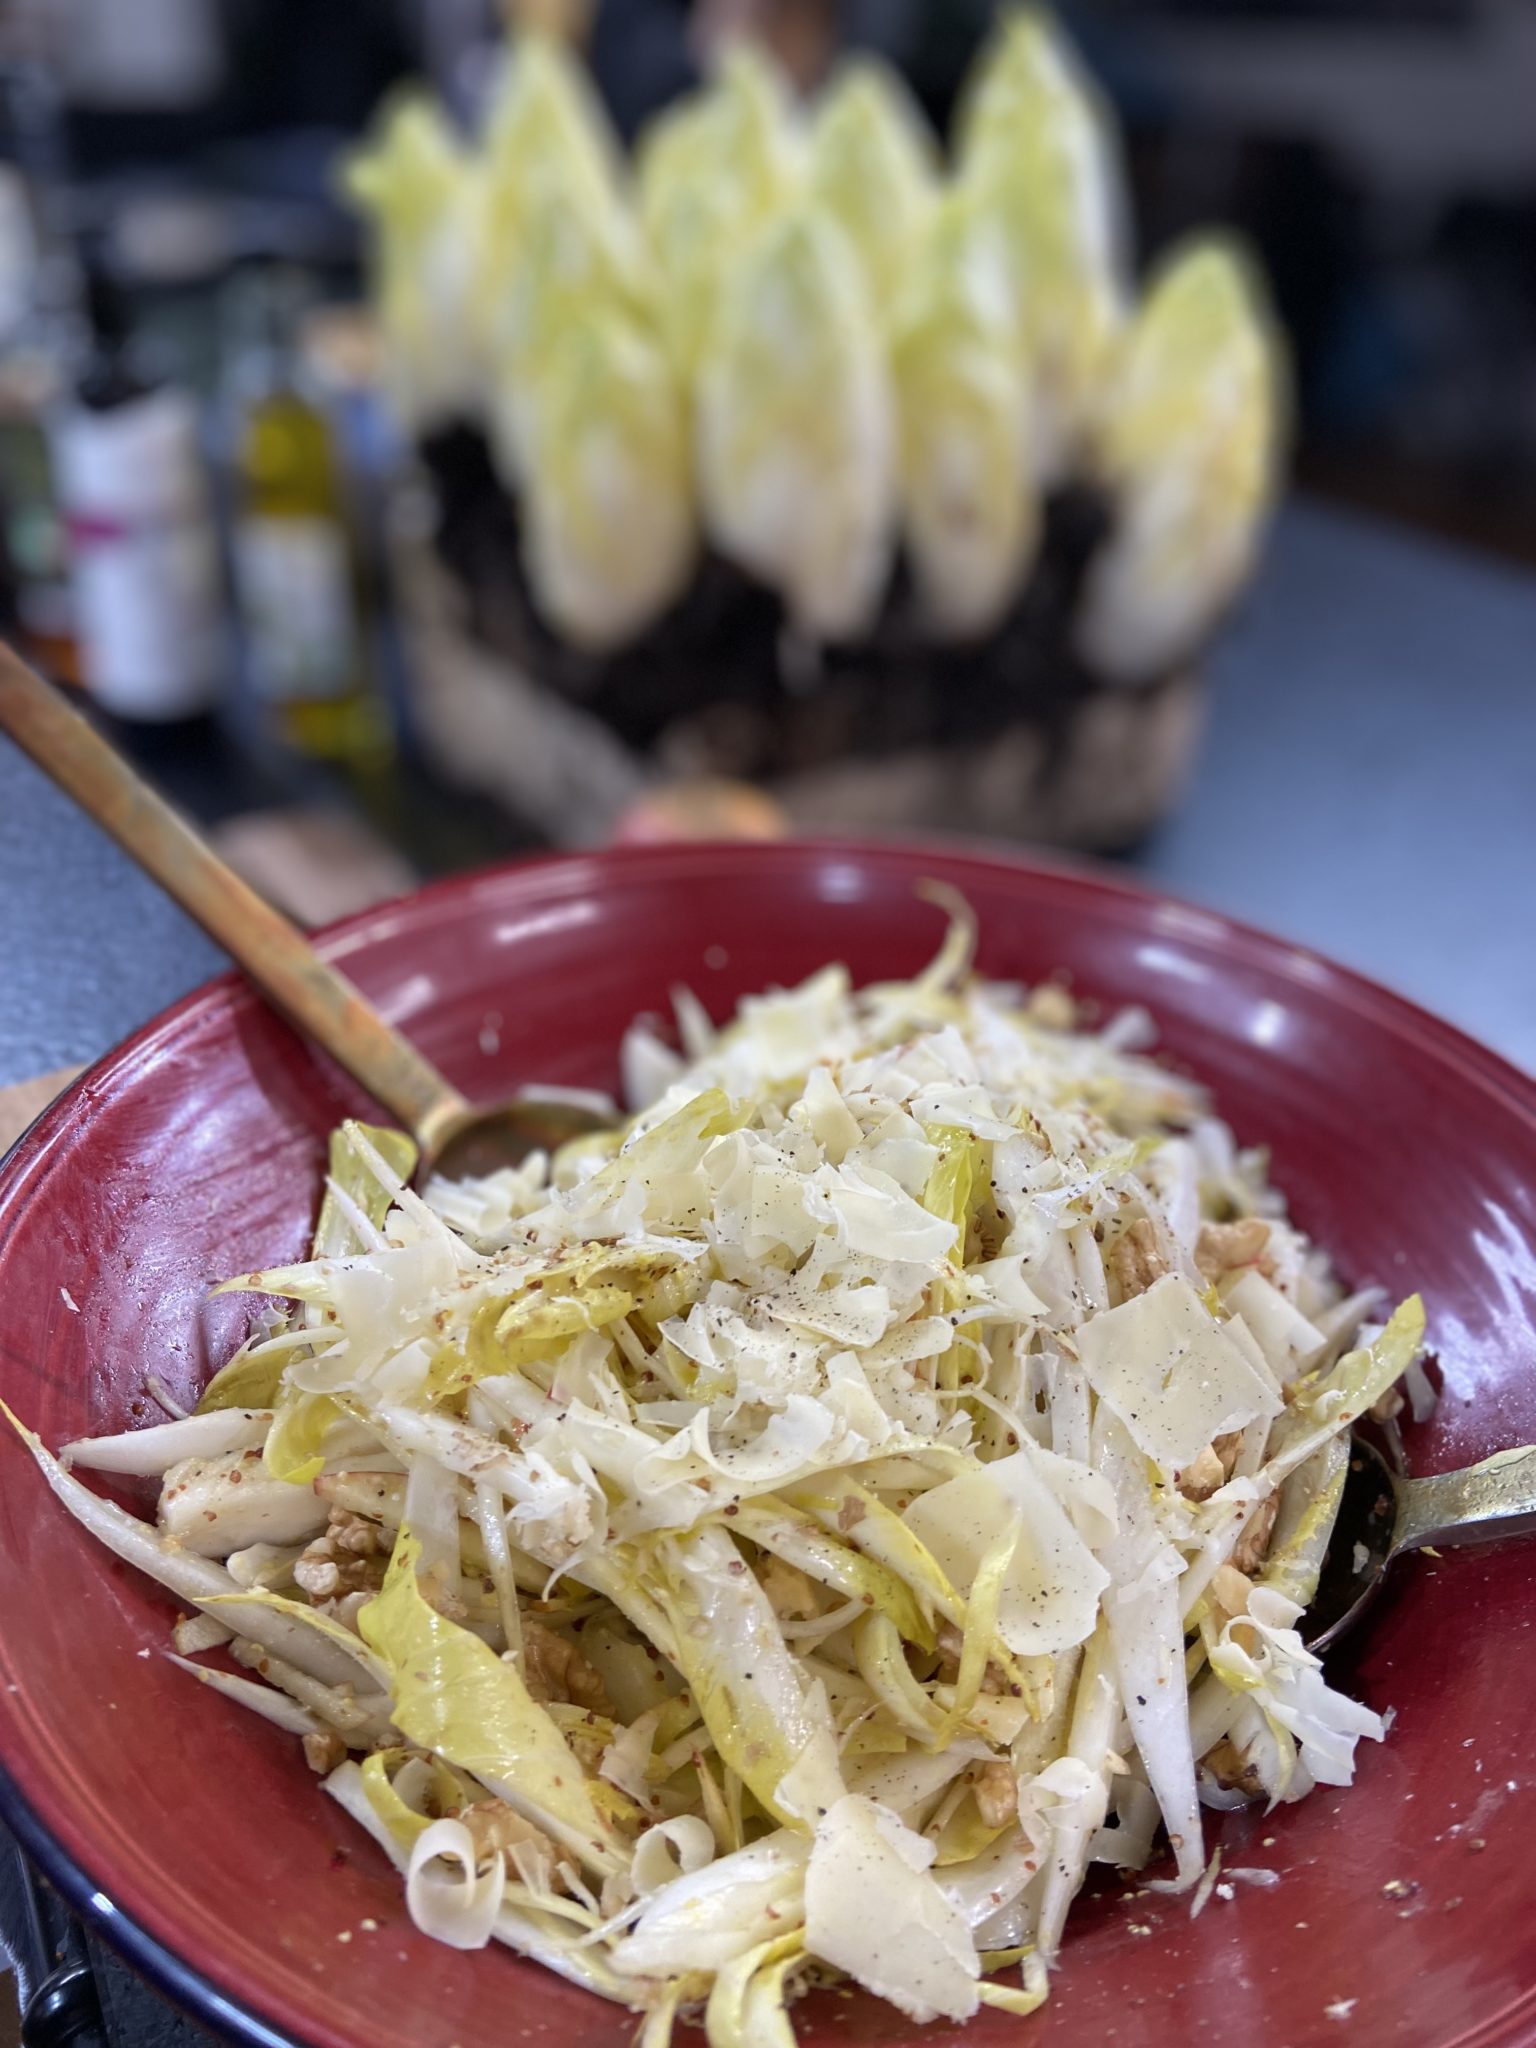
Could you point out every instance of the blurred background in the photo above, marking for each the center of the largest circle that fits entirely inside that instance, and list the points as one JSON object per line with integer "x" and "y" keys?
{"x": 351, "y": 629}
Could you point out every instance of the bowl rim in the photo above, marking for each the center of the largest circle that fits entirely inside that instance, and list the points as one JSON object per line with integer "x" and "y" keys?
{"x": 177, "y": 1977}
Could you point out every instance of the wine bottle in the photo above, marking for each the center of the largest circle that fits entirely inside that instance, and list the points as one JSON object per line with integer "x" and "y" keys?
{"x": 128, "y": 460}
{"x": 297, "y": 561}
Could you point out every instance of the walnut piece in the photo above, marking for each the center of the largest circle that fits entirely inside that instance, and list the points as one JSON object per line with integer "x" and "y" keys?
{"x": 1253, "y": 1545}
{"x": 951, "y": 1644}
{"x": 1229, "y": 1767}
{"x": 1227, "y": 1448}
{"x": 349, "y": 1557}
{"x": 1223, "y": 1247}
{"x": 791, "y": 1594}
{"x": 324, "y": 1751}
{"x": 437, "y": 1593}
{"x": 1227, "y": 1594}
{"x": 1134, "y": 1260}
{"x": 494, "y": 1826}
{"x": 1201, "y": 1477}
{"x": 997, "y": 1794}
{"x": 554, "y": 1669}
{"x": 1051, "y": 1006}
{"x": 346, "y": 1607}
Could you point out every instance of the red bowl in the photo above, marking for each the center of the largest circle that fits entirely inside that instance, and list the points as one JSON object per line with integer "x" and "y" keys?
{"x": 194, "y": 1837}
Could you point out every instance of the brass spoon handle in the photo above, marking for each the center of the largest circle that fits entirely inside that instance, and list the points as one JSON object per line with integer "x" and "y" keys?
{"x": 1493, "y": 1499}
{"x": 273, "y": 952}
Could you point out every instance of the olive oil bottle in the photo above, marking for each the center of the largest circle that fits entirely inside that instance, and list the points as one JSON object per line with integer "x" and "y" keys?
{"x": 297, "y": 562}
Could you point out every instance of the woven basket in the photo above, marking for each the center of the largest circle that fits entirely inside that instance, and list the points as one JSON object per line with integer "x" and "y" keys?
{"x": 1009, "y": 737}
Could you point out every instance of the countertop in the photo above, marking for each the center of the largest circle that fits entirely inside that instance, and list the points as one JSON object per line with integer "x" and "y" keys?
{"x": 1368, "y": 784}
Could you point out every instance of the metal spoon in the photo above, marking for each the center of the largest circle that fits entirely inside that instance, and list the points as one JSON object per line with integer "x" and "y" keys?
{"x": 1384, "y": 1514}
{"x": 453, "y": 1137}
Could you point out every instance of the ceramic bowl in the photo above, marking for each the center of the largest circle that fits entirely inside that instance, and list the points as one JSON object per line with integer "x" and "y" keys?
{"x": 194, "y": 1837}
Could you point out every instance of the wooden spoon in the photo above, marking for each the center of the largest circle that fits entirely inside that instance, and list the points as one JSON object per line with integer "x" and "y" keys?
{"x": 452, "y": 1136}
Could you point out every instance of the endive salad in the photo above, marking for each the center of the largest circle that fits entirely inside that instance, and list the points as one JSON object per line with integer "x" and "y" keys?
{"x": 797, "y": 1533}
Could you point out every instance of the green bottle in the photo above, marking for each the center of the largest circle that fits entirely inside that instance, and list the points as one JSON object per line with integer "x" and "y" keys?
{"x": 297, "y": 563}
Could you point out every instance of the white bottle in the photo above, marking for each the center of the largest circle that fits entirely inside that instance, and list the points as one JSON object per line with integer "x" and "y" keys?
{"x": 144, "y": 553}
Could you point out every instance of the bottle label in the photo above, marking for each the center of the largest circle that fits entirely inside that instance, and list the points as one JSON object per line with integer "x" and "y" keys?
{"x": 296, "y": 594}
{"x": 144, "y": 555}
{"x": 146, "y": 598}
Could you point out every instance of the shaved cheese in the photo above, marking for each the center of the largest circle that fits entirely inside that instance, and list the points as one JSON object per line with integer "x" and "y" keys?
{"x": 1171, "y": 1373}
{"x": 878, "y": 1217}
{"x": 1050, "y": 1596}
{"x": 872, "y": 1909}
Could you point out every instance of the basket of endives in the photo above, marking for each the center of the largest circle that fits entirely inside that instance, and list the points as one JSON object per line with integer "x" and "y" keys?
{"x": 787, "y": 451}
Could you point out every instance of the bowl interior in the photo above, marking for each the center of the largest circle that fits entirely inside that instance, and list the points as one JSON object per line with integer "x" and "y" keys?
{"x": 198, "y": 1836}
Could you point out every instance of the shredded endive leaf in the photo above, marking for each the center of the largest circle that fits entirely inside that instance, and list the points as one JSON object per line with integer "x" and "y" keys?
{"x": 455, "y": 1697}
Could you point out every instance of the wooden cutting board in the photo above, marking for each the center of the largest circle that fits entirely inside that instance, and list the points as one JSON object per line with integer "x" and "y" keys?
{"x": 20, "y": 1103}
